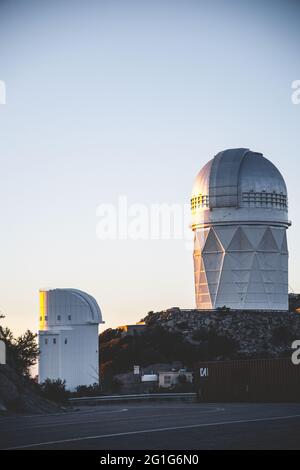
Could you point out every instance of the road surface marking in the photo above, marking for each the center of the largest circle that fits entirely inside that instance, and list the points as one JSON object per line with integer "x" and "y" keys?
{"x": 145, "y": 431}
{"x": 77, "y": 422}
{"x": 67, "y": 423}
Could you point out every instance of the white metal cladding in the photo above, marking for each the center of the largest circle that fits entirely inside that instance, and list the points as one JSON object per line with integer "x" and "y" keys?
{"x": 240, "y": 246}
{"x": 71, "y": 355}
{"x": 63, "y": 303}
{"x": 235, "y": 183}
{"x": 242, "y": 267}
{"x": 2, "y": 352}
{"x": 224, "y": 176}
{"x": 68, "y": 338}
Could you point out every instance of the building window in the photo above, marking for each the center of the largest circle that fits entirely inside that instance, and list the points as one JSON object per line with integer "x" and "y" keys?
{"x": 167, "y": 380}
{"x": 46, "y": 318}
{"x": 58, "y": 317}
{"x": 54, "y": 340}
{"x": 69, "y": 317}
{"x": 200, "y": 201}
{"x": 46, "y": 341}
{"x": 41, "y": 318}
{"x": 264, "y": 199}
{"x": 66, "y": 340}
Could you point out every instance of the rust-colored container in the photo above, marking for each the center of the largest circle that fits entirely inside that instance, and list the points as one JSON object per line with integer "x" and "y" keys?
{"x": 265, "y": 380}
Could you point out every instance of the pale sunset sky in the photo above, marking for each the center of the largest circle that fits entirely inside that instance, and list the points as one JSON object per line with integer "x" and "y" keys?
{"x": 109, "y": 98}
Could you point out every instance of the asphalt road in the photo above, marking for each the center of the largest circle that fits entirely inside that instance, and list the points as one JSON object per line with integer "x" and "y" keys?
{"x": 158, "y": 426}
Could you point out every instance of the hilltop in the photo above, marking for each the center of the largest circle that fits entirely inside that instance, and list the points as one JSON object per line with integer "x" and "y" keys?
{"x": 188, "y": 336}
{"x": 256, "y": 333}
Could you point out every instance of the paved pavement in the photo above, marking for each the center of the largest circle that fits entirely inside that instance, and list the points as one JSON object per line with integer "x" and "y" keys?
{"x": 158, "y": 426}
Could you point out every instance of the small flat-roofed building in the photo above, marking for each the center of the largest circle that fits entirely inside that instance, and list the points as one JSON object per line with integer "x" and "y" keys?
{"x": 170, "y": 378}
{"x": 132, "y": 330}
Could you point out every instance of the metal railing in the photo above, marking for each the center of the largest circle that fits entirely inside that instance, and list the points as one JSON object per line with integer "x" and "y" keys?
{"x": 137, "y": 396}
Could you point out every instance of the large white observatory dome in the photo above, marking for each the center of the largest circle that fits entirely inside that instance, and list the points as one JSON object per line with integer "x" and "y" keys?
{"x": 239, "y": 215}
{"x": 239, "y": 179}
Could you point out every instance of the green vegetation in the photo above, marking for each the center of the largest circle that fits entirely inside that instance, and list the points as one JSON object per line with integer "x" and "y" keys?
{"x": 282, "y": 335}
{"x": 223, "y": 309}
{"x": 213, "y": 345}
{"x": 55, "y": 390}
{"x": 88, "y": 391}
{"x": 18, "y": 391}
{"x": 21, "y": 352}
{"x": 158, "y": 345}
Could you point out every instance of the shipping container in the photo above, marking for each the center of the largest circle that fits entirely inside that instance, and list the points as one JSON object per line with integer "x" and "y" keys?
{"x": 267, "y": 380}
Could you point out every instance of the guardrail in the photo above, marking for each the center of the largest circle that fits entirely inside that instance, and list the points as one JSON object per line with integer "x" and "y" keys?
{"x": 133, "y": 397}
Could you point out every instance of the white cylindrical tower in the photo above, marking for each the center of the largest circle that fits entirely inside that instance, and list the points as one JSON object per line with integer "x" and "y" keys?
{"x": 239, "y": 218}
{"x": 68, "y": 337}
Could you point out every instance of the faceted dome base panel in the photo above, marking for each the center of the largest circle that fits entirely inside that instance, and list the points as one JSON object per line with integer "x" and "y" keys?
{"x": 241, "y": 267}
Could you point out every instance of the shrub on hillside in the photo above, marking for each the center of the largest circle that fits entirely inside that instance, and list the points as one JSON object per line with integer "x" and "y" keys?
{"x": 22, "y": 352}
{"x": 282, "y": 335}
{"x": 55, "y": 390}
{"x": 212, "y": 344}
{"x": 88, "y": 390}
{"x": 159, "y": 345}
{"x": 154, "y": 345}
{"x": 110, "y": 334}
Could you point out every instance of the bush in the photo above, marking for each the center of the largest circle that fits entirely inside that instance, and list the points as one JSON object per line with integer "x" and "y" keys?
{"x": 110, "y": 334}
{"x": 218, "y": 346}
{"x": 183, "y": 325}
{"x": 223, "y": 309}
{"x": 214, "y": 345}
{"x": 22, "y": 352}
{"x": 182, "y": 388}
{"x": 116, "y": 385}
{"x": 282, "y": 336}
{"x": 158, "y": 345}
{"x": 200, "y": 334}
{"x": 154, "y": 345}
{"x": 88, "y": 390}
{"x": 55, "y": 390}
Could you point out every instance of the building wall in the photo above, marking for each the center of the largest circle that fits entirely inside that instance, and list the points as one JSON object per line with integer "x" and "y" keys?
{"x": 241, "y": 266}
{"x": 2, "y": 352}
{"x": 170, "y": 378}
{"x": 71, "y": 355}
{"x": 49, "y": 359}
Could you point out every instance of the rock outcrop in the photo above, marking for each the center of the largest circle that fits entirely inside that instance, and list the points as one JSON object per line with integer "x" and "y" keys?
{"x": 258, "y": 334}
{"x": 19, "y": 394}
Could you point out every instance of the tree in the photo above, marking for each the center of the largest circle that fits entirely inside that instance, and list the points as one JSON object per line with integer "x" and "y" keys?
{"x": 154, "y": 345}
{"x": 27, "y": 351}
{"x": 109, "y": 334}
{"x": 88, "y": 390}
{"x": 282, "y": 336}
{"x": 116, "y": 385}
{"x": 22, "y": 352}
{"x": 55, "y": 390}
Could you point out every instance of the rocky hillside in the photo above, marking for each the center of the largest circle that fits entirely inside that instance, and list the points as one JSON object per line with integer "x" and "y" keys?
{"x": 189, "y": 336}
{"x": 257, "y": 334}
{"x": 19, "y": 394}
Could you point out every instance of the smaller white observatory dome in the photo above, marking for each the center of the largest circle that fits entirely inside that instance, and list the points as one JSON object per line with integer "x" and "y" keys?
{"x": 68, "y": 337}
{"x": 68, "y": 307}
